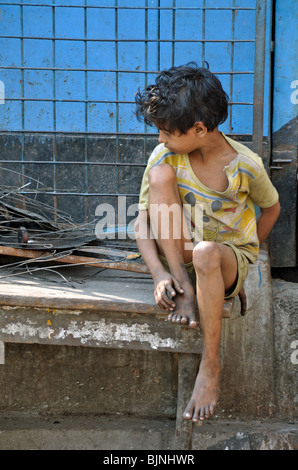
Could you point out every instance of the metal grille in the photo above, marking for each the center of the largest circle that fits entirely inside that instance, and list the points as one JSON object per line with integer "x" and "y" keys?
{"x": 69, "y": 72}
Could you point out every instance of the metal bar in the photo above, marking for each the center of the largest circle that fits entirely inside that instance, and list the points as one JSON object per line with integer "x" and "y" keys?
{"x": 136, "y": 134}
{"x": 258, "y": 110}
{"x": 55, "y": 202}
{"x": 86, "y": 113}
{"x": 126, "y": 7}
{"x": 74, "y": 259}
{"x": 72, "y": 193}
{"x": 146, "y": 64}
{"x": 51, "y": 38}
{"x": 117, "y": 99}
{"x": 61, "y": 69}
{"x": 145, "y": 76}
{"x": 83, "y": 162}
{"x": 158, "y": 44}
{"x": 173, "y": 32}
{"x": 22, "y": 83}
{"x": 98, "y": 101}
{"x": 203, "y": 31}
{"x": 96, "y": 163}
{"x": 232, "y": 67}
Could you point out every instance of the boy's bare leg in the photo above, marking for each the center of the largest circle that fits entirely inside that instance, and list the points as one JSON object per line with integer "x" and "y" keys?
{"x": 216, "y": 269}
{"x": 164, "y": 194}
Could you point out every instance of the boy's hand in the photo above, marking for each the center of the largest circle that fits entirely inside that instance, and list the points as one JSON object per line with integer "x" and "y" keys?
{"x": 166, "y": 286}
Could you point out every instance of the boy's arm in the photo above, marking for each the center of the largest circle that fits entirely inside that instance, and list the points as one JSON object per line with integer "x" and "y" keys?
{"x": 163, "y": 281}
{"x": 267, "y": 220}
{"x": 146, "y": 243}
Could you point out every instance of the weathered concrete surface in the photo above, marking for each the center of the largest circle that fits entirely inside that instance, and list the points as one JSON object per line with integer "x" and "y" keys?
{"x": 259, "y": 355}
{"x": 248, "y": 350}
{"x": 248, "y": 435}
{"x": 260, "y": 351}
{"x": 75, "y": 379}
{"x": 30, "y": 431}
{"x": 84, "y": 433}
{"x": 285, "y": 303}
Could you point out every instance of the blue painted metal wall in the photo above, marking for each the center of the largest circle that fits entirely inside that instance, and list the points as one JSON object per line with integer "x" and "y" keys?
{"x": 285, "y": 92}
{"x": 75, "y": 66}
{"x": 284, "y": 238}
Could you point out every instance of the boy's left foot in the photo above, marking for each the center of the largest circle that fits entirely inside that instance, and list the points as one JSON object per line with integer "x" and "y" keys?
{"x": 205, "y": 394}
{"x": 185, "y": 309}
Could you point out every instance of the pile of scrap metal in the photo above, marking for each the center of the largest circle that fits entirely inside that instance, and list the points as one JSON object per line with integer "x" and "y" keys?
{"x": 30, "y": 229}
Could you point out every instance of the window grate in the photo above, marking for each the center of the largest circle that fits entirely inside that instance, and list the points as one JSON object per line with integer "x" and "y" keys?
{"x": 70, "y": 71}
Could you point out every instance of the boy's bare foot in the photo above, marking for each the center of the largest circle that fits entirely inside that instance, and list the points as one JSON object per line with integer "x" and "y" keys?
{"x": 205, "y": 394}
{"x": 185, "y": 308}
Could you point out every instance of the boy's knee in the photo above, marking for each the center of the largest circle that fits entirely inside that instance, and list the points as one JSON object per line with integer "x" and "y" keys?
{"x": 206, "y": 256}
{"x": 161, "y": 174}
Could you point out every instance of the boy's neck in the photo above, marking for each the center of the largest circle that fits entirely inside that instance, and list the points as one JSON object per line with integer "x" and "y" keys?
{"x": 212, "y": 146}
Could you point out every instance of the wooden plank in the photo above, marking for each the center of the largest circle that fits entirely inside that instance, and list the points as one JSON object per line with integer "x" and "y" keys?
{"x": 102, "y": 292}
{"x": 106, "y": 291}
{"x": 74, "y": 259}
{"x": 129, "y": 266}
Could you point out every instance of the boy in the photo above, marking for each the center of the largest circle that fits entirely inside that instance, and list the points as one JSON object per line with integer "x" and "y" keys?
{"x": 195, "y": 165}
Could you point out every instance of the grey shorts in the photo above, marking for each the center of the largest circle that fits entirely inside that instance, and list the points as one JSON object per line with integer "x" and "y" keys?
{"x": 243, "y": 266}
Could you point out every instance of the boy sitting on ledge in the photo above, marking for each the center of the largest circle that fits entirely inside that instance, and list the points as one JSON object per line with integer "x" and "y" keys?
{"x": 196, "y": 166}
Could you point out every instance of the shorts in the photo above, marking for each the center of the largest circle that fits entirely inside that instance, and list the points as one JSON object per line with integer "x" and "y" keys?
{"x": 242, "y": 263}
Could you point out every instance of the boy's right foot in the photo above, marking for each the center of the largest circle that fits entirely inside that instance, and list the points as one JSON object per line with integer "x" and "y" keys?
{"x": 205, "y": 393}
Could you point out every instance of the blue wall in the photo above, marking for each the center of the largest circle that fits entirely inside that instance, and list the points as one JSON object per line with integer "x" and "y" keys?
{"x": 285, "y": 104}
{"x": 71, "y": 70}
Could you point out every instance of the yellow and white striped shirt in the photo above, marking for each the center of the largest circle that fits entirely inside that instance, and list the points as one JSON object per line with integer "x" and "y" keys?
{"x": 228, "y": 216}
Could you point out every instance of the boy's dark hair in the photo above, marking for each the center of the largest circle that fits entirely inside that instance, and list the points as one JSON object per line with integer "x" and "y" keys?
{"x": 181, "y": 96}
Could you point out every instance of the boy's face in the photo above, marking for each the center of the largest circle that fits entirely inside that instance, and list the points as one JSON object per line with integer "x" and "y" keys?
{"x": 180, "y": 143}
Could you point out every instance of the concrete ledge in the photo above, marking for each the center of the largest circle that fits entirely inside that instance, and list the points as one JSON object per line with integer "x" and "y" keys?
{"x": 84, "y": 433}
{"x": 132, "y": 433}
{"x": 113, "y": 310}
{"x": 248, "y": 435}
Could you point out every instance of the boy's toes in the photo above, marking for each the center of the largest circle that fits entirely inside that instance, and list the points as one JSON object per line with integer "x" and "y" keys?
{"x": 188, "y": 412}
{"x": 187, "y": 415}
{"x": 193, "y": 322}
{"x": 178, "y": 318}
{"x": 172, "y": 317}
{"x": 184, "y": 320}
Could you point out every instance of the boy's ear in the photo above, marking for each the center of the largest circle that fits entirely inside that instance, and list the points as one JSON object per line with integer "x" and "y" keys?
{"x": 200, "y": 128}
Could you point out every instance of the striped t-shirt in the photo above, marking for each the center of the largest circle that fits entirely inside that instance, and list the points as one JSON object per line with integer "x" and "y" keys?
{"x": 227, "y": 216}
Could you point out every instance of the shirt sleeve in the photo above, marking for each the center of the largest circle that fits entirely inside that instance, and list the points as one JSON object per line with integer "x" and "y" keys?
{"x": 262, "y": 192}
{"x": 144, "y": 191}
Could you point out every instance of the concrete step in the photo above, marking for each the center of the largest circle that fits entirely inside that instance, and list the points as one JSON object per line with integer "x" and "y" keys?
{"x": 32, "y": 432}
{"x": 246, "y": 435}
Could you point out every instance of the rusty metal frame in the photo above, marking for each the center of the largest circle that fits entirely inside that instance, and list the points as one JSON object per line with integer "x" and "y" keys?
{"x": 258, "y": 106}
